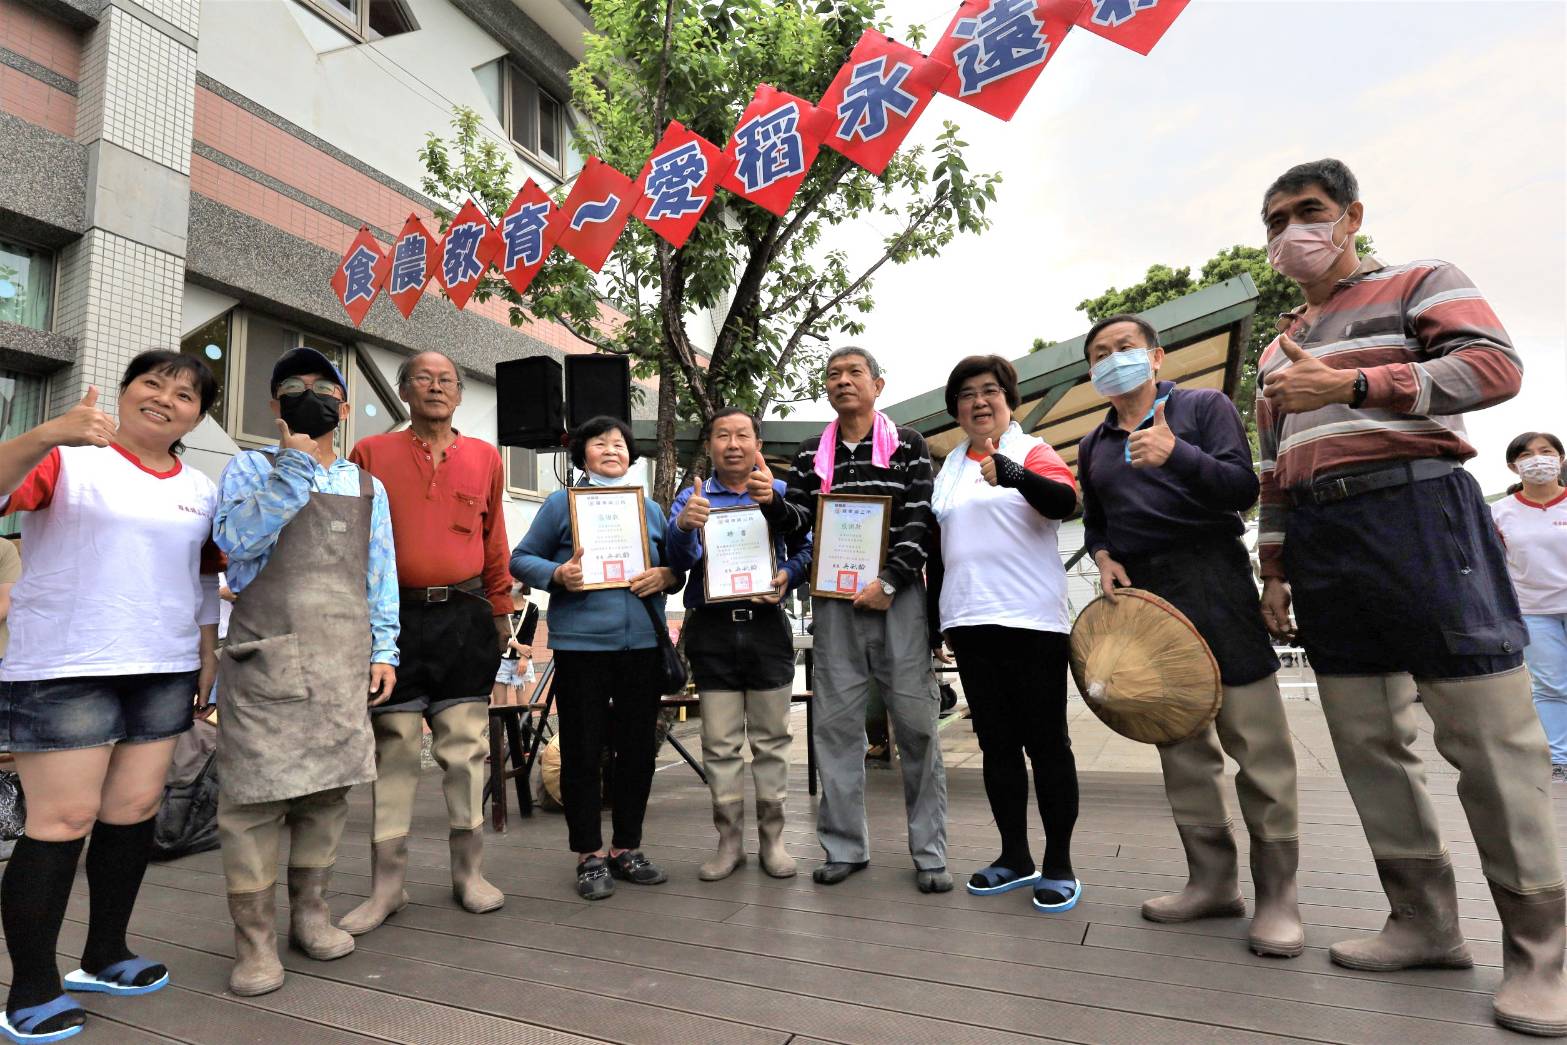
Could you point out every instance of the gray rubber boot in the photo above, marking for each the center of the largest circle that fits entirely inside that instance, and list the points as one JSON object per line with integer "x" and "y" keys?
{"x": 310, "y": 925}
{"x": 1533, "y": 997}
{"x": 1276, "y": 931}
{"x": 1212, "y": 884}
{"x": 469, "y": 886}
{"x": 388, "y": 866}
{"x": 256, "y": 966}
{"x": 1421, "y": 931}
{"x": 775, "y": 859}
{"x": 729, "y": 818}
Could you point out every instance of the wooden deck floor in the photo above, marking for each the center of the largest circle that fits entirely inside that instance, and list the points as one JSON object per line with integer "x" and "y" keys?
{"x": 751, "y": 959}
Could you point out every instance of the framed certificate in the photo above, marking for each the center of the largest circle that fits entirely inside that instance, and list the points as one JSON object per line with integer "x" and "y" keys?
{"x": 609, "y": 527}
{"x": 737, "y": 554}
{"x": 851, "y": 543}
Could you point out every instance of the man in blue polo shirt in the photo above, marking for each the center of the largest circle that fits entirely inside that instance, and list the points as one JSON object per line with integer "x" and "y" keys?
{"x": 1164, "y": 479}
{"x": 741, "y": 654}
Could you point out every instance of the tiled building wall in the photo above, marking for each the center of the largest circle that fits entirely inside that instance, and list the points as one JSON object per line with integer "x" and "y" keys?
{"x": 35, "y": 36}
{"x": 49, "y": 54}
{"x": 37, "y": 102}
{"x": 143, "y": 99}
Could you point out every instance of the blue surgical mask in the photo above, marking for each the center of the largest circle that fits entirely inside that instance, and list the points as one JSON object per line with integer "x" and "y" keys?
{"x": 1121, "y": 372}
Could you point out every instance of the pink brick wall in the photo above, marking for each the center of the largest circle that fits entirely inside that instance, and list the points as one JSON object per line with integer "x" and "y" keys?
{"x": 37, "y": 102}
{"x": 33, "y": 34}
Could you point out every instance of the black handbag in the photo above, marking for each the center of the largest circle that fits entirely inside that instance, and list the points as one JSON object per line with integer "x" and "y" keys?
{"x": 673, "y": 676}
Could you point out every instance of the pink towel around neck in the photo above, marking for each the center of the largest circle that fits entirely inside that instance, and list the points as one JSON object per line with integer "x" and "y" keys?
{"x": 884, "y": 440}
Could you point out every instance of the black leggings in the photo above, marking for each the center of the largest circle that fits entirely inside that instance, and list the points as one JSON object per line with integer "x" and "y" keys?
{"x": 1015, "y": 683}
{"x": 606, "y": 698}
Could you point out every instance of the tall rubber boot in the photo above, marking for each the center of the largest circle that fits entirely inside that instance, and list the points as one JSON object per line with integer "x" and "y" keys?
{"x": 775, "y": 859}
{"x": 1421, "y": 931}
{"x": 1212, "y": 883}
{"x": 469, "y": 887}
{"x": 388, "y": 867}
{"x": 1533, "y": 996}
{"x": 1276, "y": 931}
{"x": 729, "y": 818}
{"x": 256, "y": 966}
{"x": 310, "y": 925}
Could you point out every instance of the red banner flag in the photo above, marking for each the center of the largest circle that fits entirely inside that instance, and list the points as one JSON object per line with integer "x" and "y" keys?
{"x": 523, "y": 238}
{"x": 595, "y": 213}
{"x": 773, "y": 147}
{"x": 876, "y": 97}
{"x": 465, "y": 253}
{"x": 360, "y": 275}
{"x": 678, "y": 182}
{"x": 1137, "y": 24}
{"x": 998, "y": 48}
{"x": 415, "y": 256}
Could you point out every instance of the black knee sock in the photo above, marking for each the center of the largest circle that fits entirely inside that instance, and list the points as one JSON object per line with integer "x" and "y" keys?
{"x": 116, "y": 861}
{"x": 33, "y": 895}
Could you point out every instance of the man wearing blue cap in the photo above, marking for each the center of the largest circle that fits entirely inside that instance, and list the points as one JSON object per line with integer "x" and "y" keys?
{"x": 312, "y": 643}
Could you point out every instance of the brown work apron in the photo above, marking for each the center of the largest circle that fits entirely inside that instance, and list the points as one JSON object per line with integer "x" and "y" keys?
{"x": 293, "y": 715}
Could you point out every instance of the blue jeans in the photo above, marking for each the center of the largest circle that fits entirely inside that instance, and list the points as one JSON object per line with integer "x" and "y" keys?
{"x": 1547, "y": 660}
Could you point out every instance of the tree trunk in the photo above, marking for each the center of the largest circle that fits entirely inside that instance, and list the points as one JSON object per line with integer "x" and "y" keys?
{"x": 668, "y": 405}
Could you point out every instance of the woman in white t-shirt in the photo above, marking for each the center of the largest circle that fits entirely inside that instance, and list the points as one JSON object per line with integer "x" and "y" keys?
{"x": 998, "y": 596}
{"x": 113, "y": 640}
{"x": 1532, "y": 520}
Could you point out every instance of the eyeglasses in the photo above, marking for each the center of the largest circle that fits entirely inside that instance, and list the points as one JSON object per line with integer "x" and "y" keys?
{"x": 968, "y": 395}
{"x": 292, "y": 386}
{"x": 446, "y": 381}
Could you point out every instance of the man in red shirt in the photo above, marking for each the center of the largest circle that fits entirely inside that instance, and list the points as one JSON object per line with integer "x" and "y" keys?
{"x": 445, "y": 494}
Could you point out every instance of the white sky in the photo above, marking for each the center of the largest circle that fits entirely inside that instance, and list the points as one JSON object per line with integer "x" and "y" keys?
{"x": 1452, "y": 115}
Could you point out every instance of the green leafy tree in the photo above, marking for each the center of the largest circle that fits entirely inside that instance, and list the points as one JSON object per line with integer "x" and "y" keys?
{"x": 1275, "y": 294}
{"x": 777, "y": 287}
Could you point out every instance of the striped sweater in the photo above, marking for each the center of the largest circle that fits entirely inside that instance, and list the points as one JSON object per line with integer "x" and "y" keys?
{"x": 906, "y": 479}
{"x": 1431, "y": 349}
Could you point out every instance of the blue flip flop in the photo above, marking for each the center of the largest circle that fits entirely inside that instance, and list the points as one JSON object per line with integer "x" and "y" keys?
{"x": 20, "y": 1031}
{"x": 119, "y": 978}
{"x": 1000, "y": 880}
{"x": 1064, "y": 905}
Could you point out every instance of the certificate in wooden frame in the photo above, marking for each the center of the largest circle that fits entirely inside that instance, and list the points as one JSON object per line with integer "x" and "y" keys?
{"x": 759, "y": 585}
{"x": 620, "y": 567}
{"x": 850, "y": 569}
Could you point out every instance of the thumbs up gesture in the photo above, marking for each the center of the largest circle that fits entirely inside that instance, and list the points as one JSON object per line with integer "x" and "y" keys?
{"x": 569, "y": 573}
{"x": 759, "y": 484}
{"x": 1306, "y": 383}
{"x": 1151, "y": 446}
{"x": 288, "y": 439}
{"x": 987, "y": 467}
{"x": 83, "y": 424}
{"x": 694, "y": 515}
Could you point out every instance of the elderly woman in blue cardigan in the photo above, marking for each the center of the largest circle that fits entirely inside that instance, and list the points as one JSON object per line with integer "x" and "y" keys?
{"x": 607, "y": 668}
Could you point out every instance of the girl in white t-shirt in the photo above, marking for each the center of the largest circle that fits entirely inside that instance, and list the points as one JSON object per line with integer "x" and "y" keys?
{"x": 113, "y": 640}
{"x": 1532, "y": 520}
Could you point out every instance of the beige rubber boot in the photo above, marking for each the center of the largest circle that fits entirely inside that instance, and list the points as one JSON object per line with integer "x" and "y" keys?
{"x": 256, "y": 966}
{"x": 775, "y": 859}
{"x": 1212, "y": 886}
{"x": 469, "y": 887}
{"x": 310, "y": 925}
{"x": 1533, "y": 996}
{"x": 388, "y": 867}
{"x": 729, "y": 818}
{"x": 1276, "y": 931}
{"x": 1421, "y": 931}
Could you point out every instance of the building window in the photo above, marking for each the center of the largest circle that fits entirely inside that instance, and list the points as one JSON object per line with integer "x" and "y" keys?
{"x": 26, "y": 282}
{"x": 531, "y": 474}
{"x": 210, "y": 344}
{"x": 366, "y": 19}
{"x": 535, "y": 121}
{"x": 21, "y": 407}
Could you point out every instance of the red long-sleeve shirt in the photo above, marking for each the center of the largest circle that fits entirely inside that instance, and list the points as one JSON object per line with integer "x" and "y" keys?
{"x": 447, "y": 518}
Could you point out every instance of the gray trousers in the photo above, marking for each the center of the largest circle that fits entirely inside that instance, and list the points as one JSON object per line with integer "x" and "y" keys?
{"x": 893, "y": 648}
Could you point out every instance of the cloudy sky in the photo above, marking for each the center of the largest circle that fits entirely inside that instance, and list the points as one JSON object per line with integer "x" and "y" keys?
{"x": 1453, "y": 116}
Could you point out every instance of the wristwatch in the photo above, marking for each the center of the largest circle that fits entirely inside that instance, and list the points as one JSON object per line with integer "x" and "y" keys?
{"x": 889, "y": 589}
{"x": 1362, "y": 387}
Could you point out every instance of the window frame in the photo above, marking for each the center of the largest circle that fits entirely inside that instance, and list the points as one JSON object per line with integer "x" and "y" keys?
{"x": 51, "y": 262}
{"x": 358, "y": 25}
{"x": 527, "y": 493}
{"x": 532, "y": 153}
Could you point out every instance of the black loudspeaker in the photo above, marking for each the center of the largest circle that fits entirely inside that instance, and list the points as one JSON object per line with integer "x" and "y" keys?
{"x": 595, "y": 385}
{"x": 528, "y": 405}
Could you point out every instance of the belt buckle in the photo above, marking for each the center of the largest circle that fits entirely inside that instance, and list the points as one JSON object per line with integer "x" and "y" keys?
{"x": 438, "y": 594}
{"x": 1330, "y": 491}
{"x": 739, "y": 616}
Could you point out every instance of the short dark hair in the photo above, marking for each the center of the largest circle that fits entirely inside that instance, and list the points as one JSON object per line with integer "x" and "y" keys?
{"x": 1337, "y": 180}
{"x": 174, "y": 364}
{"x": 972, "y": 366}
{"x": 1120, "y": 317}
{"x": 731, "y": 411}
{"x": 1521, "y": 443}
{"x": 407, "y": 365}
{"x": 853, "y": 350}
{"x": 594, "y": 427}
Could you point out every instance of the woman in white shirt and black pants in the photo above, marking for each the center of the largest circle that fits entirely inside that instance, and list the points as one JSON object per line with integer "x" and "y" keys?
{"x": 113, "y": 640}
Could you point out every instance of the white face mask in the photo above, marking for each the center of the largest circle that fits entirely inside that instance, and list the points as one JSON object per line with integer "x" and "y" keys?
{"x": 1540, "y": 469}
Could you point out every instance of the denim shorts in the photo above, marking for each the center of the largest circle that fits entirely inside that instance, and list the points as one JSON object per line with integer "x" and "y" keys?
{"x": 510, "y": 673}
{"x": 91, "y": 711}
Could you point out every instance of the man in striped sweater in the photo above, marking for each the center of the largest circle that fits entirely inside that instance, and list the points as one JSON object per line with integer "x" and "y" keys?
{"x": 1371, "y": 524}
{"x": 880, "y": 634}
